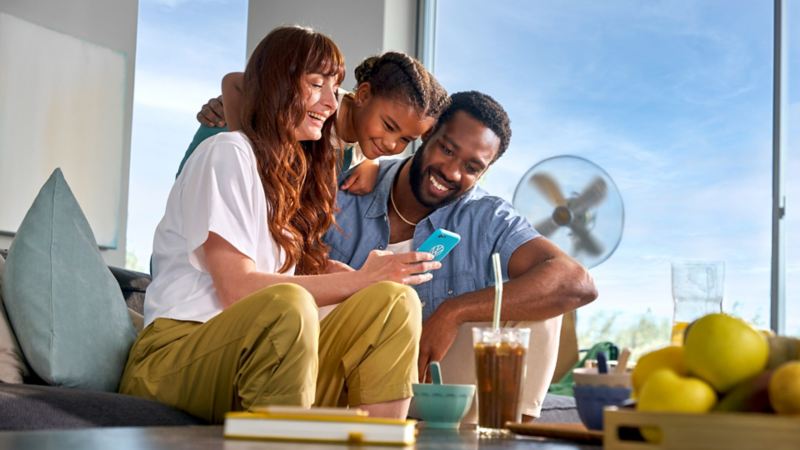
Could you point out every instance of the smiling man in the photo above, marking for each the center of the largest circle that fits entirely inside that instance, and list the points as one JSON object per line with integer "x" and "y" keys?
{"x": 436, "y": 188}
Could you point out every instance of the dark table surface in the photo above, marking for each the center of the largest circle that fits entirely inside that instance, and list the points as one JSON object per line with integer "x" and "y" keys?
{"x": 210, "y": 437}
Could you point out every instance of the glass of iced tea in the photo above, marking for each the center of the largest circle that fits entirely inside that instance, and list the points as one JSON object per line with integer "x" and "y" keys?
{"x": 500, "y": 366}
{"x": 697, "y": 290}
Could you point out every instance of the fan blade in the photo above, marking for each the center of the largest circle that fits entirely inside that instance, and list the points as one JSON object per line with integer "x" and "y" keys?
{"x": 592, "y": 195}
{"x": 585, "y": 240}
{"x": 546, "y": 227}
{"x": 549, "y": 187}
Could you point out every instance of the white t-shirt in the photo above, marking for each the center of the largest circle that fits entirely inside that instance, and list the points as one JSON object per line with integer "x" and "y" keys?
{"x": 218, "y": 190}
{"x": 401, "y": 247}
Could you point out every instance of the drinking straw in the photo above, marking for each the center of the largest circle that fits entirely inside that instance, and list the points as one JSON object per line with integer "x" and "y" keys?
{"x": 498, "y": 289}
{"x": 622, "y": 361}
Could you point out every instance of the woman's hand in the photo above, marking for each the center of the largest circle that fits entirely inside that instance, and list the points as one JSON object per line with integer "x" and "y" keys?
{"x": 407, "y": 268}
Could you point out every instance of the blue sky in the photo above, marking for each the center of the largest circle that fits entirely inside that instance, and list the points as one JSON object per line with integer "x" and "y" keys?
{"x": 672, "y": 99}
{"x": 183, "y": 50}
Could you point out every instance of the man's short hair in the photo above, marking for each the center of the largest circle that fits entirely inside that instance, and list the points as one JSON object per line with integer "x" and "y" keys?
{"x": 483, "y": 108}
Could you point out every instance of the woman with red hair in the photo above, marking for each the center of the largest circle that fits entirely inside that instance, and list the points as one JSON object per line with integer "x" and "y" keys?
{"x": 240, "y": 269}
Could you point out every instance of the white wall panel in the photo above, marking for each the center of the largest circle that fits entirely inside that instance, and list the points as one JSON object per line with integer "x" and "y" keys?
{"x": 62, "y": 104}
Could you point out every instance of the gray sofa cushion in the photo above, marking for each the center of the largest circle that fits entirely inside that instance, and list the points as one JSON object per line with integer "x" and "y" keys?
{"x": 66, "y": 308}
{"x": 32, "y": 407}
{"x": 133, "y": 285}
{"x": 559, "y": 408}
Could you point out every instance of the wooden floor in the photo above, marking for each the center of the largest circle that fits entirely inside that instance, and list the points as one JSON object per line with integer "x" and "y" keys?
{"x": 210, "y": 437}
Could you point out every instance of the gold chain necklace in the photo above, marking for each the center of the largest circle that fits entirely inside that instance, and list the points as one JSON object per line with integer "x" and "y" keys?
{"x": 397, "y": 211}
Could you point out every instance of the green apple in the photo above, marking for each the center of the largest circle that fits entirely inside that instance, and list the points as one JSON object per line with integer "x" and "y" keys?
{"x": 724, "y": 351}
{"x": 750, "y": 395}
{"x": 782, "y": 349}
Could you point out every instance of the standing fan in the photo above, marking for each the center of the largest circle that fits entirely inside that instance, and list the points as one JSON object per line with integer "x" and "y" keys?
{"x": 574, "y": 203}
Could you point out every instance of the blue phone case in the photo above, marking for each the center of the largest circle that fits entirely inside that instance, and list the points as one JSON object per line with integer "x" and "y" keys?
{"x": 440, "y": 243}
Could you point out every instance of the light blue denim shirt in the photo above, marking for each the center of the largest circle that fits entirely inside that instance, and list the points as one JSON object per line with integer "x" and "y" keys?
{"x": 487, "y": 224}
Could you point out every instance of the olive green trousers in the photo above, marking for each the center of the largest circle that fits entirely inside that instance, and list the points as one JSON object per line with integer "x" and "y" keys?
{"x": 270, "y": 349}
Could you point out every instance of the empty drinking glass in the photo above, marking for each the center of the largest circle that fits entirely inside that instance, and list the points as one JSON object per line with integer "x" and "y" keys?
{"x": 697, "y": 290}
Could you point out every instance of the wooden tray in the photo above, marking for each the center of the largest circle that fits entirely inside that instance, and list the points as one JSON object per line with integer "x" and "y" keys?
{"x": 715, "y": 431}
{"x": 567, "y": 431}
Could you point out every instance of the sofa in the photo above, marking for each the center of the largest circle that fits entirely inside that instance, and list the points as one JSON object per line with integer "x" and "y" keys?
{"x": 35, "y": 405}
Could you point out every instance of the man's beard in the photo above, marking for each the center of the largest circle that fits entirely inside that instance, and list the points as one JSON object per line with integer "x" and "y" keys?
{"x": 415, "y": 177}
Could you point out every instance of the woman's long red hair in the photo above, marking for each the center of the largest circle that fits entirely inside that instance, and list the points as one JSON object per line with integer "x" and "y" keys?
{"x": 299, "y": 178}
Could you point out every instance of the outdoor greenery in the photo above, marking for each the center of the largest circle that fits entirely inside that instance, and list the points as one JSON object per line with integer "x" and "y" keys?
{"x": 641, "y": 334}
{"x": 132, "y": 263}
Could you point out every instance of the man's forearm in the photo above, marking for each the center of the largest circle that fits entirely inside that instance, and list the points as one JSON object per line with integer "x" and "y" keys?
{"x": 549, "y": 289}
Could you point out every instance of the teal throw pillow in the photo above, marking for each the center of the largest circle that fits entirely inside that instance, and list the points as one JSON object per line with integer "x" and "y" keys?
{"x": 65, "y": 306}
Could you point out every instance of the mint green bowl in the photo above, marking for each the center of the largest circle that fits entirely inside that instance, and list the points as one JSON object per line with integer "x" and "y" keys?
{"x": 441, "y": 405}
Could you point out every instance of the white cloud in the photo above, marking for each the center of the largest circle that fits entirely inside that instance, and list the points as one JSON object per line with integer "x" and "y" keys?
{"x": 167, "y": 3}
{"x": 184, "y": 96}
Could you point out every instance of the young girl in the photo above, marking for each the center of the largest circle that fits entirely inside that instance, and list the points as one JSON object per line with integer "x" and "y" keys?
{"x": 224, "y": 328}
{"x": 396, "y": 101}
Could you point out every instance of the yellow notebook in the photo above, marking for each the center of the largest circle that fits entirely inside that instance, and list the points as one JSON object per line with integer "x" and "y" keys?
{"x": 333, "y": 425}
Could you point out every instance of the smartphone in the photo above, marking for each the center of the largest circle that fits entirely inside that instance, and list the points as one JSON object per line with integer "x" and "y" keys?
{"x": 440, "y": 243}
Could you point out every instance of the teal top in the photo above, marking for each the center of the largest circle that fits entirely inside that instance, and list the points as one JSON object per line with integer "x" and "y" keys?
{"x": 201, "y": 135}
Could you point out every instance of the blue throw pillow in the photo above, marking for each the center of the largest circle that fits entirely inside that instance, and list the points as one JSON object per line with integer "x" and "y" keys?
{"x": 65, "y": 306}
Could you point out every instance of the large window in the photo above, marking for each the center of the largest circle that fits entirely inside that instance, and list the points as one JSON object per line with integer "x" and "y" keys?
{"x": 672, "y": 99}
{"x": 183, "y": 50}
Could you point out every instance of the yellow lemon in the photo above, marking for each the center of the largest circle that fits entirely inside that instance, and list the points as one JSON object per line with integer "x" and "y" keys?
{"x": 665, "y": 358}
{"x": 784, "y": 388}
{"x": 666, "y": 391}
